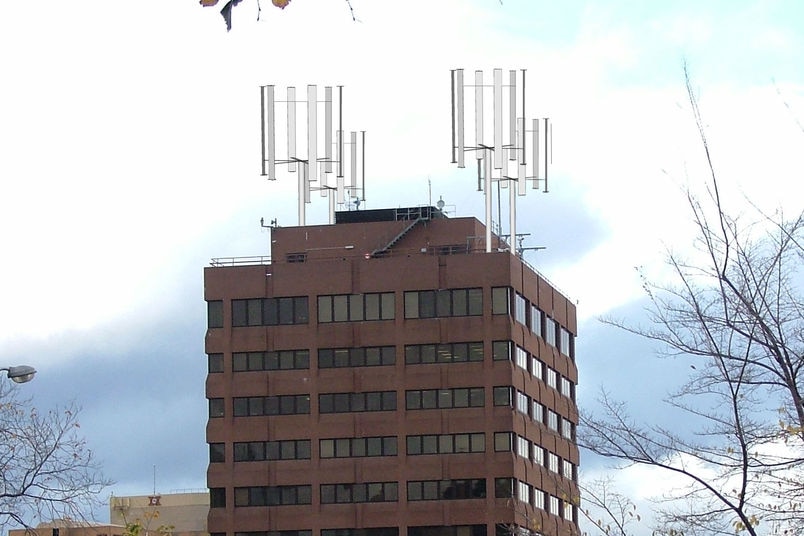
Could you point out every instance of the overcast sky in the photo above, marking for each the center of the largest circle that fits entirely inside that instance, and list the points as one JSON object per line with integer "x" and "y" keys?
{"x": 130, "y": 155}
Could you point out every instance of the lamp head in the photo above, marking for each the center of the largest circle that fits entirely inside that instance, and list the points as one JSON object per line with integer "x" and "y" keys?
{"x": 20, "y": 373}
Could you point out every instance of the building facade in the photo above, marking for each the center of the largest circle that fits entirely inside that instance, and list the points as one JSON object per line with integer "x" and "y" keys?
{"x": 386, "y": 376}
{"x": 185, "y": 513}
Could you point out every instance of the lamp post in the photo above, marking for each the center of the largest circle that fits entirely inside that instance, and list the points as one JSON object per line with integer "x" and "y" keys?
{"x": 19, "y": 373}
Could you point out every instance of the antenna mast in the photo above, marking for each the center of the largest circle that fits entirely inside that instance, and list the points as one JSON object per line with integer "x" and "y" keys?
{"x": 326, "y": 147}
{"x": 501, "y": 146}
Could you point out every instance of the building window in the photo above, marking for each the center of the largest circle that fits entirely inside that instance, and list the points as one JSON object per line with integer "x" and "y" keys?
{"x": 523, "y": 491}
{"x": 567, "y": 388}
{"x": 500, "y": 300}
{"x": 536, "y": 317}
{"x": 357, "y": 402}
{"x": 217, "y": 453}
{"x": 567, "y": 343}
{"x": 502, "y": 396}
{"x": 554, "y": 505}
{"x": 550, "y": 331}
{"x": 538, "y": 454}
{"x": 552, "y": 420}
{"x": 439, "y": 490}
{"x": 273, "y": 495}
{"x": 215, "y": 314}
{"x": 216, "y": 408}
{"x": 503, "y": 488}
{"x": 537, "y": 412}
{"x": 214, "y": 363}
{"x": 372, "y": 356}
{"x": 357, "y": 447}
{"x": 460, "y": 397}
{"x": 356, "y": 307}
{"x": 446, "y": 444}
{"x": 359, "y": 492}
{"x": 536, "y": 368}
{"x": 444, "y": 303}
{"x": 538, "y": 499}
{"x": 501, "y": 350}
{"x": 459, "y": 352}
{"x": 566, "y": 429}
{"x": 552, "y": 462}
{"x": 380, "y": 531}
{"x": 568, "y": 470}
{"x": 520, "y": 309}
{"x": 272, "y": 533}
{"x": 521, "y": 358}
{"x": 522, "y": 403}
{"x": 270, "y": 311}
{"x": 280, "y": 360}
{"x": 502, "y": 442}
{"x": 256, "y": 451}
{"x": 552, "y": 378}
{"x": 522, "y": 447}
{"x": 453, "y": 530}
{"x": 217, "y": 497}
{"x": 255, "y": 406}
{"x": 569, "y": 511}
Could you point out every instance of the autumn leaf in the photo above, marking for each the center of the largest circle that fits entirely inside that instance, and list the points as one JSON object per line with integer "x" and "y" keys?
{"x": 281, "y": 4}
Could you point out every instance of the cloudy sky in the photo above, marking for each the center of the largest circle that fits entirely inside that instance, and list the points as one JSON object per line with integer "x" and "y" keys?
{"x": 130, "y": 155}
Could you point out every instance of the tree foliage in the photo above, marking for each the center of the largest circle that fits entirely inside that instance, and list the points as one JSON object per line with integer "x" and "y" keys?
{"x": 736, "y": 309}
{"x": 46, "y": 470}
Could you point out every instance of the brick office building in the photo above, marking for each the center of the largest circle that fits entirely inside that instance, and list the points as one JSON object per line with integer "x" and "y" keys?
{"x": 386, "y": 376}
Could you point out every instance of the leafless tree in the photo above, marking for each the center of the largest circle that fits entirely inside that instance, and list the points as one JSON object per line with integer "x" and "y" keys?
{"x": 46, "y": 470}
{"x": 736, "y": 310}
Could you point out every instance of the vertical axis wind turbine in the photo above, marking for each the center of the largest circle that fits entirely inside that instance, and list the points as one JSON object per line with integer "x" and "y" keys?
{"x": 326, "y": 148}
{"x": 506, "y": 150}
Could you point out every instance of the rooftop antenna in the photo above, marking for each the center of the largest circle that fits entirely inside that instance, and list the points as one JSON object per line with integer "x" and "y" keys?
{"x": 501, "y": 146}
{"x": 329, "y": 148}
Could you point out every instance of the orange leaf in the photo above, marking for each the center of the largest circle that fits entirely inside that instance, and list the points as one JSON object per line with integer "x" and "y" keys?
{"x": 281, "y": 4}
{"x": 208, "y": 3}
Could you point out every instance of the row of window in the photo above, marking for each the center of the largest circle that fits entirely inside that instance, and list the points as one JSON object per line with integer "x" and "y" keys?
{"x": 270, "y": 311}
{"x": 441, "y": 530}
{"x": 415, "y": 399}
{"x": 540, "y": 324}
{"x": 359, "y": 493}
{"x": 538, "y": 412}
{"x": 354, "y": 402}
{"x": 372, "y": 356}
{"x": 281, "y": 360}
{"x": 459, "y": 397}
{"x": 456, "y": 352}
{"x": 362, "y": 492}
{"x": 507, "y": 350}
{"x": 511, "y": 442}
{"x": 381, "y": 306}
{"x": 256, "y": 451}
{"x": 255, "y": 406}
{"x": 357, "y": 447}
{"x": 459, "y": 352}
{"x": 447, "y": 530}
{"x": 356, "y": 307}
{"x": 524, "y": 492}
{"x": 273, "y": 495}
{"x": 351, "y": 447}
{"x": 444, "y": 303}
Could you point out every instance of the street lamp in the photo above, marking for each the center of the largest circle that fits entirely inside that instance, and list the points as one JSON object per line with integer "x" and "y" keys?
{"x": 20, "y": 373}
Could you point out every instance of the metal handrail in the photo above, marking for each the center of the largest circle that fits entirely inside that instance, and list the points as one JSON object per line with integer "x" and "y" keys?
{"x": 253, "y": 260}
